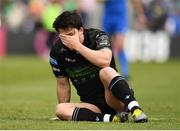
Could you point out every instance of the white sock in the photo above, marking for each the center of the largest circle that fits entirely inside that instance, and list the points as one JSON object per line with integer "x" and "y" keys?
{"x": 106, "y": 118}
{"x": 132, "y": 104}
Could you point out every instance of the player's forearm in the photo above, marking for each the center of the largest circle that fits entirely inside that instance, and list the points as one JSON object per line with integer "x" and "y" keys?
{"x": 138, "y": 7}
{"x": 63, "y": 90}
{"x": 63, "y": 95}
{"x": 100, "y": 58}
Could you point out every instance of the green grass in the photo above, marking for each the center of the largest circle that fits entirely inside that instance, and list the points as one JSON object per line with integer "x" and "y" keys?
{"x": 28, "y": 97}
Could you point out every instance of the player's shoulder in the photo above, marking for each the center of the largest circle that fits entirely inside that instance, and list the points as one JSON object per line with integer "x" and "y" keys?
{"x": 95, "y": 33}
{"x": 56, "y": 45}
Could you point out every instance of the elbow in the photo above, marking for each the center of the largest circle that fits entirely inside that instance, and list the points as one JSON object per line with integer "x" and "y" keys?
{"x": 107, "y": 59}
{"x": 105, "y": 63}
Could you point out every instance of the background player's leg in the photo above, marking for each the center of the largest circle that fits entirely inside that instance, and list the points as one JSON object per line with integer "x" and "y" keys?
{"x": 119, "y": 49}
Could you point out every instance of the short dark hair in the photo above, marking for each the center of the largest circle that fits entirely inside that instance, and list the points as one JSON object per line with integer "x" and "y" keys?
{"x": 68, "y": 19}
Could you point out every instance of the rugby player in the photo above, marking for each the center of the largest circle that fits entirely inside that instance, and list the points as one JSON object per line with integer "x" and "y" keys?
{"x": 84, "y": 57}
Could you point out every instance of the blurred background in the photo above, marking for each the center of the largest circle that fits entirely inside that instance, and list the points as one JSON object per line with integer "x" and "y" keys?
{"x": 26, "y": 27}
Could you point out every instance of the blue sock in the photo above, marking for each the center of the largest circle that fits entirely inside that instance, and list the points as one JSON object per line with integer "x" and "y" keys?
{"x": 123, "y": 63}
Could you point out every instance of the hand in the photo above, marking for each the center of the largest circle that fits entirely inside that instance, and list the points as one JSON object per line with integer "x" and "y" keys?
{"x": 69, "y": 41}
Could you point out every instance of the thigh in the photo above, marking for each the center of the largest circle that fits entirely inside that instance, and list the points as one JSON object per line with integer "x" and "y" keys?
{"x": 101, "y": 103}
{"x": 119, "y": 41}
{"x": 90, "y": 106}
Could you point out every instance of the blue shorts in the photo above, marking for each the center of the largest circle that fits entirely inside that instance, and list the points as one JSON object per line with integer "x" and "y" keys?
{"x": 115, "y": 24}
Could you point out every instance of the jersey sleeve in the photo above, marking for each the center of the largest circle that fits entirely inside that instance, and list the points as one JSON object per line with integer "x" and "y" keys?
{"x": 56, "y": 65}
{"x": 102, "y": 41}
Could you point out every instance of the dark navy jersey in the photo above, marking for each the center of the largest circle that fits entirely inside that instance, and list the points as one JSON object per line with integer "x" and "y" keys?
{"x": 71, "y": 64}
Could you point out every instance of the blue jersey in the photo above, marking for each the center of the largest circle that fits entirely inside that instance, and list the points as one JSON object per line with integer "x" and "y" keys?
{"x": 115, "y": 16}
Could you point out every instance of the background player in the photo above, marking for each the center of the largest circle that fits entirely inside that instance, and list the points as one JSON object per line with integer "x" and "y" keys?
{"x": 115, "y": 23}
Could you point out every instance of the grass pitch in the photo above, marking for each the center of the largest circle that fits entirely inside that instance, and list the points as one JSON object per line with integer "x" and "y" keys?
{"x": 28, "y": 97}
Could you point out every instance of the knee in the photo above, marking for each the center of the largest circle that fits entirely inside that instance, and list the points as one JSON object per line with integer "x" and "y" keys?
{"x": 104, "y": 71}
{"x": 106, "y": 75}
{"x": 60, "y": 108}
{"x": 107, "y": 72}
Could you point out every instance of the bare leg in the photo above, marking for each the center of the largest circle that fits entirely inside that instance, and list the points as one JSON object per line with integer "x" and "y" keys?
{"x": 118, "y": 41}
{"x": 65, "y": 110}
{"x": 120, "y": 91}
{"x": 118, "y": 47}
{"x": 111, "y": 100}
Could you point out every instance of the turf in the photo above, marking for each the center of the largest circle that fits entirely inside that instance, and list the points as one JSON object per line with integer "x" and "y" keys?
{"x": 28, "y": 97}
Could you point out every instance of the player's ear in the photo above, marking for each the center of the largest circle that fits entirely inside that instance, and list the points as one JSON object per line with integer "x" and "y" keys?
{"x": 81, "y": 30}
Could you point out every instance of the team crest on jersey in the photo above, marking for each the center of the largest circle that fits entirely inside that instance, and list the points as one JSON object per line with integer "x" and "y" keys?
{"x": 53, "y": 61}
{"x": 103, "y": 40}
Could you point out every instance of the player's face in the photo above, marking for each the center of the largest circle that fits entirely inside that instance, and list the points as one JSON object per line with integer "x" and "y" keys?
{"x": 72, "y": 32}
{"x": 68, "y": 31}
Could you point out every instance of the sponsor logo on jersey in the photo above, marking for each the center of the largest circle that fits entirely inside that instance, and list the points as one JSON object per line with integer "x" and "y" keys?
{"x": 127, "y": 97}
{"x": 63, "y": 50}
{"x": 53, "y": 61}
{"x": 103, "y": 37}
{"x": 97, "y": 35}
{"x": 103, "y": 43}
{"x": 97, "y": 118}
{"x": 70, "y": 60}
{"x": 55, "y": 69}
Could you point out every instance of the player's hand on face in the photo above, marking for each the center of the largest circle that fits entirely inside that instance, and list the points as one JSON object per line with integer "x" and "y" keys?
{"x": 70, "y": 41}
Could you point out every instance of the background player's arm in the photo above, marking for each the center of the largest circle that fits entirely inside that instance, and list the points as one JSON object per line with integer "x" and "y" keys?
{"x": 63, "y": 90}
{"x": 138, "y": 7}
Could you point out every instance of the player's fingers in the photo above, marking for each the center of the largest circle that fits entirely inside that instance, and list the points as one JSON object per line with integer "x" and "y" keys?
{"x": 76, "y": 32}
{"x": 64, "y": 41}
{"x": 63, "y": 36}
